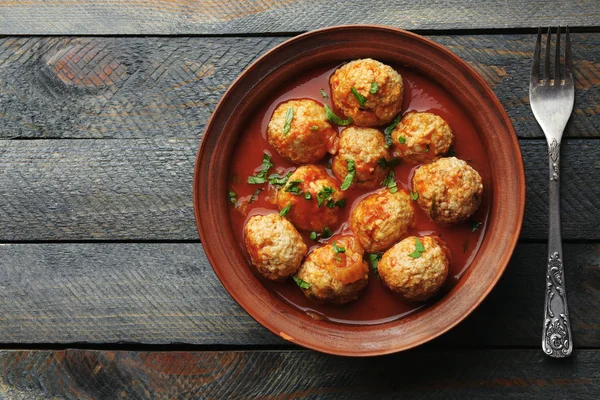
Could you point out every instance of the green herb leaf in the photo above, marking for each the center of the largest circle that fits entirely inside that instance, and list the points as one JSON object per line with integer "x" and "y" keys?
{"x": 323, "y": 195}
{"x": 294, "y": 188}
{"x": 338, "y": 249}
{"x": 313, "y": 235}
{"x": 308, "y": 196}
{"x": 359, "y": 97}
{"x": 390, "y": 182}
{"x": 324, "y": 94}
{"x": 289, "y": 115}
{"x": 383, "y": 163}
{"x": 261, "y": 176}
{"x": 374, "y": 88}
{"x": 277, "y": 180}
{"x": 232, "y": 197}
{"x": 388, "y": 131}
{"x": 415, "y": 254}
{"x": 350, "y": 176}
{"x": 334, "y": 118}
{"x": 301, "y": 284}
{"x": 427, "y": 149}
{"x": 255, "y": 196}
{"x": 451, "y": 152}
{"x": 414, "y": 196}
{"x": 314, "y": 128}
{"x": 419, "y": 246}
{"x": 402, "y": 139}
{"x": 285, "y": 210}
{"x": 341, "y": 203}
{"x": 326, "y": 234}
{"x": 474, "y": 225}
{"x": 373, "y": 260}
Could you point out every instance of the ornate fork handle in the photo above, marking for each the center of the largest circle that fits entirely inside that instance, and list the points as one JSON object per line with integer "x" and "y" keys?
{"x": 556, "y": 335}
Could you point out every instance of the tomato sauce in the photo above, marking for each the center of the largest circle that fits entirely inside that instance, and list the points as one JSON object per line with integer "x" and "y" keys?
{"x": 376, "y": 304}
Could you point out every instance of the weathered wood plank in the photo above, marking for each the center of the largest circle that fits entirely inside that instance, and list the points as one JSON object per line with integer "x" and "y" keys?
{"x": 43, "y": 17}
{"x": 96, "y": 87}
{"x": 167, "y": 293}
{"x": 458, "y": 374}
{"x": 141, "y": 189}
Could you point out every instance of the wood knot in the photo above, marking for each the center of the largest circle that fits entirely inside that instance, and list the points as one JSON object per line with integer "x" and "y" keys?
{"x": 86, "y": 65}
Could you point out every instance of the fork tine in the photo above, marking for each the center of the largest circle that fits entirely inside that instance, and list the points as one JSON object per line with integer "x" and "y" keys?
{"x": 557, "y": 59}
{"x": 547, "y": 58}
{"x": 535, "y": 67}
{"x": 568, "y": 63}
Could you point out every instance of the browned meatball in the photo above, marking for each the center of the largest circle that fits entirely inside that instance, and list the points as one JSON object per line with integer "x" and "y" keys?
{"x": 299, "y": 131}
{"x": 335, "y": 273}
{"x": 415, "y": 275}
{"x": 312, "y": 198}
{"x": 449, "y": 189}
{"x": 380, "y": 86}
{"x": 365, "y": 148}
{"x": 276, "y": 248}
{"x": 422, "y": 137}
{"x": 381, "y": 219}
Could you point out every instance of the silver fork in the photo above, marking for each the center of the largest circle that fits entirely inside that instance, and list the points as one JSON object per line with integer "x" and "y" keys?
{"x": 552, "y": 103}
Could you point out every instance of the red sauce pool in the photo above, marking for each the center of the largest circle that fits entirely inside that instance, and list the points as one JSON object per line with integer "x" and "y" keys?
{"x": 376, "y": 304}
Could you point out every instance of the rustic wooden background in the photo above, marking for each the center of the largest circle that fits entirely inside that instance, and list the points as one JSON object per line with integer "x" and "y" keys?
{"x": 105, "y": 291}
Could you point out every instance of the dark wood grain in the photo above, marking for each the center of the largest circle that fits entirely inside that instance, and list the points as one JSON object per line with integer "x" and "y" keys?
{"x": 142, "y": 189}
{"x": 167, "y": 293}
{"x": 137, "y": 87}
{"x": 459, "y": 374}
{"x": 41, "y": 17}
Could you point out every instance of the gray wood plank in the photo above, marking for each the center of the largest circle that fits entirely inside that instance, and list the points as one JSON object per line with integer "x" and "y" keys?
{"x": 134, "y": 87}
{"x": 167, "y": 293}
{"x": 62, "y": 190}
{"x": 421, "y": 374}
{"x": 89, "y": 17}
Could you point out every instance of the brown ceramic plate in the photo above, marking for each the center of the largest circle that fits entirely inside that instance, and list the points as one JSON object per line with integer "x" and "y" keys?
{"x": 255, "y": 87}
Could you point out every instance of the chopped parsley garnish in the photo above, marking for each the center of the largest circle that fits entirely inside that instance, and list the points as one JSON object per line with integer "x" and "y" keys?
{"x": 390, "y": 182}
{"x": 427, "y": 149}
{"x": 308, "y": 196}
{"x": 289, "y": 115}
{"x": 414, "y": 196}
{"x": 338, "y": 249}
{"x": 324, "y": 194}
{"x": 232, "y": 197}
{"x": 326, "y": 233}
{"x": 255, "y": 196}
{"x": 261, "y": 176}
{"x": 359, "y": 97}
{"x": 314, "y": 128}
{"x": 351, "y": 171}
{"x": 402, "y": 139}
{"x": 313, "y": 235}
{"x": 374, "y": 88}
{"x": 301, "y": 284}
{"x": 373, "y": 260}
{"x": 389, "y": 129}
{"x": 419, "y": 249}
{"x": 474, "y": 225}
{"x": 383, "y": 163}
{"x": 285, "y": 210}
{"x": 340, "y": 203}
{"x": 324, "y": 94}
{"x": 294, "y": 188}
{"x": 277, "y": 180}
{"x": 451, "y": 152}
{"x": 334, "y": 118}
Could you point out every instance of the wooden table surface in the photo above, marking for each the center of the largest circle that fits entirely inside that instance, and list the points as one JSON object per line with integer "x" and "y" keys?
{"x": 105, "y": 290}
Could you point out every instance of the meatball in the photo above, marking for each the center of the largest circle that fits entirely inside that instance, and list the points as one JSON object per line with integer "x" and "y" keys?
{"x": 381, "y": 219}
{"x": 311, "y": 198}
{"x": 378, "y": 84}
{"x": 422, "y": 137}
{"x": 335, "y": 273}
{"x": 366, "y": 148}
{"x": 276, "y": 248}
{"x": 415, "y": 275}
{"x": 300, "y": 132}
{"x": 449, "y": 190}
